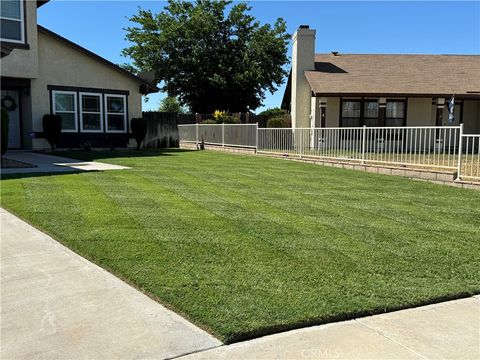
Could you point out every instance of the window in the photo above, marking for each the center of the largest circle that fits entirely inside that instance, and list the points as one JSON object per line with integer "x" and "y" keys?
{"x": 370, "y": 112}
{"x": 395, "y": 113}
{"x": 65, "y": 105}
{"x": 351, "y": 113}
{"x": 91, "y": 113}
{"x": 12, "y": 21}
{"x": 116, "y": 113}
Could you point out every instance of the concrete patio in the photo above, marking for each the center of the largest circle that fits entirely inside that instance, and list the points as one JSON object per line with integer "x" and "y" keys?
{"x": 45, "y": 163}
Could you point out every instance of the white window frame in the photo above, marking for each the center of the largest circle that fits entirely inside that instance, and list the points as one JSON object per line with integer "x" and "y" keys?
{"x": 124, "y": 113}
{"x": 99, "y": 95}
{"x": 75, "y": 105}
{"x": 22, "y": 26}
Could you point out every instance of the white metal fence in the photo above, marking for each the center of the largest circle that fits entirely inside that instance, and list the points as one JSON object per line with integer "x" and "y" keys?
{"x": 439, "y": 147}
{"x": 469, "y": 159}
{"x": 239, "y": 135}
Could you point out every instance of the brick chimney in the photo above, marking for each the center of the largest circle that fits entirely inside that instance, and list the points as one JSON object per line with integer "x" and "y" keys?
{"x": 303, "y": 59}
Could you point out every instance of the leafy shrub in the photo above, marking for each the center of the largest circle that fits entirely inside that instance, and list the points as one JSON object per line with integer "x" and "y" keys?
{"x": 230, "y": 120}
{"x": 276, "y": 122}
{"x": 274, "y": 112}
{"x": 208, "y": 121}
{"x": 4, "y": 130}
{"x": 139, "y": 130}
{"x": 52, "y": 129}
{"x": 218, "y": 116}
{"x": 221, "y": 117}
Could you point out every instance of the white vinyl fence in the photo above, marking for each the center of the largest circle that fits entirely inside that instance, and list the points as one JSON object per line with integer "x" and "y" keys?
{"x": 440, "y": 147}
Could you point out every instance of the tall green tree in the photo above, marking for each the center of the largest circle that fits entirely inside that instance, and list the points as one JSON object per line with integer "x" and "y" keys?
{"x": 210, "y": 54}
{"x": 171, "y": 104}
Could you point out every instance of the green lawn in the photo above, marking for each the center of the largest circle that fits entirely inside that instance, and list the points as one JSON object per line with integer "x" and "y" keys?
{"x": 245, "y": 245}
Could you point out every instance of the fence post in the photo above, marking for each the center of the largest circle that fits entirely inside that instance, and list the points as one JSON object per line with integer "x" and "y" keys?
{"x": 364, "y": 128}
{"x": 460, "y": 145}
{"x": 196, "y": 134}
{"x": 223, "y": 134}
{"x": 256, "y": 137}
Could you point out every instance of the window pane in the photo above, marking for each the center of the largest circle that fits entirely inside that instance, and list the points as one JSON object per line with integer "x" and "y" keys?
{"x": 395, "y": 109}
{"x": 90, "y": 103}
{"x": 350, "y": 122}
{"x": 68, "y": 121}
{"x": 393, "y": 122}
{"x": 91, "y": 121}
{"x": 11, "y": 30}
{"x": 10, "y": 9}
{"x": 115, "y": 122}
{"x": 370, "y": 109}
{"x": 64, "y": 102}
{"x": 115, "y": 104}
{"x": 351, "y": 109}
{"x": 371, "y": 121}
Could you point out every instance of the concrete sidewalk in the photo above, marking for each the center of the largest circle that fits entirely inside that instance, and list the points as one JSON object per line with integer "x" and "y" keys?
{"x": 449, "y": 330}
{"x": 57, "y": 305}
{"x": 44, "y": 163}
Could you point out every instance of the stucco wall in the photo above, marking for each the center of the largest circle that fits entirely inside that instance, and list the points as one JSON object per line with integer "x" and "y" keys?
{"x": 303, "y": 58}
{"x": 62, "y": 65}
{"x": 315, "y": 112}
{"x": 333, "y": 112}
{"x": 419, "y": 112}
{"x": 23, "y": 63}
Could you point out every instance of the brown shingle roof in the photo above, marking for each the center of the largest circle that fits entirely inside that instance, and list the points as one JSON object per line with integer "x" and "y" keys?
{"x": 395, "y": 75}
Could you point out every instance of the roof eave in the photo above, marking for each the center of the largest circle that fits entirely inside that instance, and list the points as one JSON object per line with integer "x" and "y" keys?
{"x": 391, "y": 95}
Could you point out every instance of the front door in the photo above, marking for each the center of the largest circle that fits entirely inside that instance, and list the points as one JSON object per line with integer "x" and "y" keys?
{"x": 11, "y": 101}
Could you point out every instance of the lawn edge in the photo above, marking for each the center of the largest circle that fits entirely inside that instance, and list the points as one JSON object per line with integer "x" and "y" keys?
{"x": 122, "y": 278}
{"x": 268, "y": 330}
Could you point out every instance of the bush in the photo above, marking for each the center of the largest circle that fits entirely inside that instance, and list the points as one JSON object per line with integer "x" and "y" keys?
{"x": 4, "y": 130}
{"x": 52, "y": 129}
{"x": 208, "y": 121}
{"x": 274, "y": 112}
{"x": 139, "y": 130}
{"x": 230, "y": 120}
{"x": 221, "y": 117}
{"x": 276, "y": 122}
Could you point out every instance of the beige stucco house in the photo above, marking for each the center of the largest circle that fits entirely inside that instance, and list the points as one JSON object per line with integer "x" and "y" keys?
{"x": 42, "y": 73}
{"x": 350, "y": 90}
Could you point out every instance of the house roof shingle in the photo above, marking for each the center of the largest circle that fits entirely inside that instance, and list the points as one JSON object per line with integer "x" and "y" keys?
{"x": 423, "y": 75}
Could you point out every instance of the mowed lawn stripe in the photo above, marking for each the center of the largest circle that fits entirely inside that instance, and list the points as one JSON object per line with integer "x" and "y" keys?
{"x": 245, "y": 245}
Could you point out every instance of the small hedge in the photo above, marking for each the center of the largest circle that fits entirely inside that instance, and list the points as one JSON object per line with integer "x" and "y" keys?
{"x": 4, "y": 130}
{"x": 139, "y": 130}
{"x": 276, "y": 122}
{"x": 52, "y": 129}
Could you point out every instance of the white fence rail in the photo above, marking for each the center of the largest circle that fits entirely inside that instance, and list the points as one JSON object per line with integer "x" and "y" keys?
{"x": 469, "y": 159}
{"x": 442, "y": 147}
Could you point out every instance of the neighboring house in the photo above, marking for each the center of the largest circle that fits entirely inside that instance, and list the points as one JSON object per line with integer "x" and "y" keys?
{"x": 42, "y": 73}
{"x": 345, "y": 90}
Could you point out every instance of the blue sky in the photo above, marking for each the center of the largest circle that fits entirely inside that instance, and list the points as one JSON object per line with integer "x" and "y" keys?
{"x": 431, "y": 27}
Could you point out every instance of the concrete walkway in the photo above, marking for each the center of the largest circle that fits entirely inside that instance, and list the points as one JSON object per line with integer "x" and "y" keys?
{"x": 449, "y": 330}
{"x": 57, "y": 305}
{"x": 45, "y": 163}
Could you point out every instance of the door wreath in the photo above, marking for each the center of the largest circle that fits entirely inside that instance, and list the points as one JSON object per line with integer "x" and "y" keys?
{"x": 9, "y": 103}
